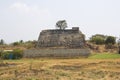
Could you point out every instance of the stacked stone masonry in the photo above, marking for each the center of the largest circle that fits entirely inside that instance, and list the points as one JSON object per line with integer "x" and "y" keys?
{"x": 61, "y": 38}
{"x": 58, "y": 52}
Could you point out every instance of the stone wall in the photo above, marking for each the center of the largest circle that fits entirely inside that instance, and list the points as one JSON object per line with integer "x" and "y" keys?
{"x": 59, "y": 52}
{"x": 61, "y": 38}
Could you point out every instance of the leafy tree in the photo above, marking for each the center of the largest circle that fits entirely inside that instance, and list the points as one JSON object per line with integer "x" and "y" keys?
{"x": 21, "y": 41}
{"x": 110, "y": 40}
{"x": 15, "y": 43}
{"x": 61, "y": 24}
{"x": 98, "y": 39}
{"x": 1, "y": 42}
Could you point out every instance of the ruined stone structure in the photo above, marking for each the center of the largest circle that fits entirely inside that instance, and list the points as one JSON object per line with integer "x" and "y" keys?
{"x": 69, "y": 38}
{"x": 59, "y": 43}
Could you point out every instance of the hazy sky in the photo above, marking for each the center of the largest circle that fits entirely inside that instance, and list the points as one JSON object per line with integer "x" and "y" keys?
{"x": 24, "y": 19}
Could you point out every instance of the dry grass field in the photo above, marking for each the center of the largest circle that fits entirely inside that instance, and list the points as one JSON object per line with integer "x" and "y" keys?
{"x": 60, "y": 69}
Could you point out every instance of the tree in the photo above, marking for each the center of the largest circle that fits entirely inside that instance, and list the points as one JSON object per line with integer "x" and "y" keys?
{"x": 21, "y": 41}
{"x": 15, "y": 43}
{"x": 98, "y": 39}
{"x": 61, "y": 24}
{"x": 1, "y": 42}
{"x": 109, "y": 42}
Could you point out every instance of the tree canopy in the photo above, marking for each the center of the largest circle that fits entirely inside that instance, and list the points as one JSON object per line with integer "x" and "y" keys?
{"x": 110, "y": 40}
{"x": 98, "y": 39}
{"x": 61, "y": 24}
{"x": 1, "y": 42}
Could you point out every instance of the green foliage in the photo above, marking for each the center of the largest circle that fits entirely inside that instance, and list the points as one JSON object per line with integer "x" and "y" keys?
{"x": 98, "y": 39}
{"x": 21, "y": 41}
{"x": 15, "y": 54}
{"x": 61, "y": 24}
{"x": 30, "y": 44}
{"x": 15, "y": 43}
{"x": 5, "y": 55}
{"x": 105, "y": 56}
{"x": 110, "y": 40}
{"x": 27, "y": 44}
{"x": 1, "y": 42}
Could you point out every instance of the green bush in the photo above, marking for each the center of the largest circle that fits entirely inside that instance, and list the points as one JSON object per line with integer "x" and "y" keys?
{"x": 15, "y": 43}
{"x": 15, "y": 54}
{"x": 98, "y": 39}
{"x": 109, "y": 42}
{"x": 5, "y": 55}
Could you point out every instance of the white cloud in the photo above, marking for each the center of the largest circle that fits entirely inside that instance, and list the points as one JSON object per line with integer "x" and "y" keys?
{"x": 24, "y": 8}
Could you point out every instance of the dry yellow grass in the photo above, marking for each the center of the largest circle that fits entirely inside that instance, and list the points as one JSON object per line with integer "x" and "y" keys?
{"x": 60, "y": 69}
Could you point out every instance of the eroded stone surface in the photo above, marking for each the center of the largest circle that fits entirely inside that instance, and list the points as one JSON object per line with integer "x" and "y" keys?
{"x": 61, "y": 38}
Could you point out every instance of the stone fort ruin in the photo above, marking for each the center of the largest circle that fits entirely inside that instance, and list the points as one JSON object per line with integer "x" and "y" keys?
{"x": 69, "y": 38}
{"x": 59, "y": 43}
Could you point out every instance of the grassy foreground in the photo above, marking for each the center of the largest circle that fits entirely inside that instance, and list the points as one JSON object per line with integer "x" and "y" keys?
{"x": 90, "y": 68}
{"x": 105, "y": 56}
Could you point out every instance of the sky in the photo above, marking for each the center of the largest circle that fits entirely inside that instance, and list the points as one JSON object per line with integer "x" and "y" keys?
{"x": 25, "y": 19}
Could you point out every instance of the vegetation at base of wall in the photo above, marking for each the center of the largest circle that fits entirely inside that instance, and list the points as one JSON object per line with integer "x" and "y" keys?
{"x": 15, "y": 54}
{"x": 104, "y": 56}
